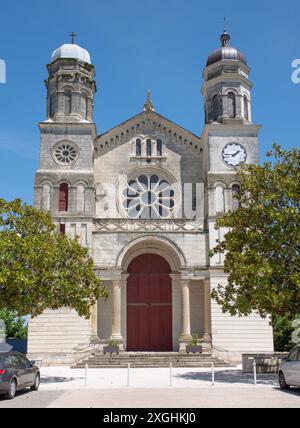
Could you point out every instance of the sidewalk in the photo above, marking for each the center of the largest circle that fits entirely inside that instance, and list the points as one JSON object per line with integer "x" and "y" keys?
{"x": 64, "y": 378}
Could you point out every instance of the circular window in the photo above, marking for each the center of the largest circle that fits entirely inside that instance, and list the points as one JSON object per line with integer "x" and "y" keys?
{"x": 148, "y": 197}
{"x": 65, "y": 154}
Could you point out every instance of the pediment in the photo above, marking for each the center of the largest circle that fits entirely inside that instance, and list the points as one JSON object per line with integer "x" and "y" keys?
{"x": 146, "y": 123}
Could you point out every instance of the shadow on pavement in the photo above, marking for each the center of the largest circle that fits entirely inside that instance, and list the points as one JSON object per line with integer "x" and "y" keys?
{"x": 230, "y": 376}
{"x": 292, "y": 391}
{"x": 58, "y": 379}
{"x": 21, "y": 393}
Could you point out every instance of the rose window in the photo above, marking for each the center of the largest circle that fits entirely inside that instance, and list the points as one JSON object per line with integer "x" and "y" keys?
{"x": 65, "y": 154}
{"x": 149, "y": 197}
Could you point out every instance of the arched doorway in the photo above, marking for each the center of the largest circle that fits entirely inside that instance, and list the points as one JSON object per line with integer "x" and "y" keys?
{"x": 149, "y": 304}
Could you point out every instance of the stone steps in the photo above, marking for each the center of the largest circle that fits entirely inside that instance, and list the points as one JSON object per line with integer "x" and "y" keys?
{"x": 150, "y": 360}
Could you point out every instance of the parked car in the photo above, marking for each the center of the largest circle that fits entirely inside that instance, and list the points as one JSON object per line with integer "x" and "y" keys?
{"x": 17, "y": 373}
{"x": 289, "y": 371}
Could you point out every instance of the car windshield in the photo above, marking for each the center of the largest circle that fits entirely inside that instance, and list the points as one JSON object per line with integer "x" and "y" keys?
{"x": 294, "y": 355}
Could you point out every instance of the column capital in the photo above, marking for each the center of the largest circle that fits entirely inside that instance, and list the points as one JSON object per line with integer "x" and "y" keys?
{"x": 175, "y": 277}
{"x": 184, "y": 282}
{"x": 120, "y": 281}
{"x": 187, "y": 275}
{"x": 206, "y": 282}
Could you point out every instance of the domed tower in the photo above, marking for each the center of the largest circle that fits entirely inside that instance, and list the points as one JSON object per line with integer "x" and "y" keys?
{"x": 64, "y": 181}
{"x": 226, "y": 87}
{"x": 70, "y": 85}
{"x": 230, "y": 138}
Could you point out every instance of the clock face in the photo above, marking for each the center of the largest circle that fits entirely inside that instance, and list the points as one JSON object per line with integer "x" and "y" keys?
{"x": 234, "y": 154}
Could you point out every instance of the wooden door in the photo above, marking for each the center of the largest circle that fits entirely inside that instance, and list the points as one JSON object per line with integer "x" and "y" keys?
{"x": 149, "y": 305}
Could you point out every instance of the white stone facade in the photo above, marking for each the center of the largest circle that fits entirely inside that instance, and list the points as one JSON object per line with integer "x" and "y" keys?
{"x": 174, "y": 224}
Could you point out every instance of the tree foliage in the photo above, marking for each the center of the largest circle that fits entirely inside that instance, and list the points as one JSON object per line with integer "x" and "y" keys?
{"x": 283, "y": 331}
{"x": 40, "y": 269}
{"x": 262, "y": 246}
{"x": 15, "y": 327}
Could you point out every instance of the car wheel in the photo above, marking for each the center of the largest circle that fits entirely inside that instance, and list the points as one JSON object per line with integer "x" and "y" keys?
{"x": 282, "y": 382}
{"x": 12, "y": 390}
{"x": 36, "y": 384}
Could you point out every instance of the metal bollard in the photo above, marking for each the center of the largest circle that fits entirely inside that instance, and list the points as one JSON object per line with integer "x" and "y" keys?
{"x": 128, "y": 375}
{"x": 254, "y": 371}
{"x": 171, "y": 374}
{"x": 85, "y": 374}
{"x": 212, "y": 374}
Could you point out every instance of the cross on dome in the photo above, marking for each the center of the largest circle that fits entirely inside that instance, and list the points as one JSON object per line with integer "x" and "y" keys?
{"x": 73, "y": 37}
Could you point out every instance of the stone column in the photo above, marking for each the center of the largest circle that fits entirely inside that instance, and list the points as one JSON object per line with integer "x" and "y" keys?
{"x": 185, "y": 336}
{"x": 94, "y": 323}
{"x": 116, "y": 310}
{"x": 207, "y": 315}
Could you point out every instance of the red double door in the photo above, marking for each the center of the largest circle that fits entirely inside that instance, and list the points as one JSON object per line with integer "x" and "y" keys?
{"x": 149, "y": 305}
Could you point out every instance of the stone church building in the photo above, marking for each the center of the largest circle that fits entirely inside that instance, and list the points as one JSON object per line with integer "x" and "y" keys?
{"x": 144, "y": 197}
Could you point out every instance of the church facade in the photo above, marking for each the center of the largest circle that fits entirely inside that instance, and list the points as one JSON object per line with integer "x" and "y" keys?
{"x": 144, "y": 198}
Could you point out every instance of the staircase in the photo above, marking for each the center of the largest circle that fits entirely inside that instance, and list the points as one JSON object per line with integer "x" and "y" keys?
{"x": 147, "y": 360}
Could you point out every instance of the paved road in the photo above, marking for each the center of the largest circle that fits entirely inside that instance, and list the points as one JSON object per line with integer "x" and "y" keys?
{"x": 29, "y": 399}
{"x": 232, "y": 397}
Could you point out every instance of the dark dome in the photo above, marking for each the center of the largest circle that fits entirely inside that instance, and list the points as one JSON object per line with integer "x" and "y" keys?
{"x": 226, "y": 52}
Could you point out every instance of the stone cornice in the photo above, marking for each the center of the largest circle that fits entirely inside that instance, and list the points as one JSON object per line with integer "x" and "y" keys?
{"x": 68, "y": 127}
{"x": 227, "y": 77}
{"x": 240, "y": 127}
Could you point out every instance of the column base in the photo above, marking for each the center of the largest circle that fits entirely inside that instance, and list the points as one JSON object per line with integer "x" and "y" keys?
{"x": 94, "y": 340}
{"x": 207, "y": 344}
{"x": 119, "y": 341}
{"x": 183, "y": 342}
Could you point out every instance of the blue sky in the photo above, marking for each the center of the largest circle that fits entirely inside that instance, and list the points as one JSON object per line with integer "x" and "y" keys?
{"x": 137, "y": 45}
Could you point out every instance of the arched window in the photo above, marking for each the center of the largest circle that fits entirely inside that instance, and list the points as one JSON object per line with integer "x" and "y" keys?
{"x": 63, "y": 197}
{"x": 246, "y": 108}
{"x": 219, "y": 199}
{"x": 231, "y": 105}
{"x": 68, "y": 102}
{"x": 216, "y": 107}
{"x": 46, "y": 197}
{"x": 236, "y": 190}
{"x": 159, "y": 148}
{"x": 80, "y": 198}
{"x": 52, "y": 106}
{"x": 149, "y": 147}
{"x": 86, "y": 108}
{"x": 138, "y": 148}
{"x": 85, "y": 105}
{"x": 62, "y": 229}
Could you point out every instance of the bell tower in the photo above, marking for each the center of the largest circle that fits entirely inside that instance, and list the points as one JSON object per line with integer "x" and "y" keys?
{"x": 64, "y": 181}
{"x": 230, "y": 137}
{"x": 227, "y": 88}
{"x": 70, "y": 85}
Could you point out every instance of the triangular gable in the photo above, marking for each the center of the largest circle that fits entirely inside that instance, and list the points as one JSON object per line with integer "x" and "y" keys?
{"x": 145, "y": 122}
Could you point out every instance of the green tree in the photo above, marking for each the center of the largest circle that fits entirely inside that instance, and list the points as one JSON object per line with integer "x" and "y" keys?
{"x": 283, "y": 331}
{"x": 15, "y": 327}
{"x": 262, "y": 246}
{"x": 40, "y": 269}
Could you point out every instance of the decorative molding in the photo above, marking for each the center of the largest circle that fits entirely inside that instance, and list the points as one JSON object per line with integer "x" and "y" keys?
{"x": 147, "y": 123}
{"x": 151, "y": 225}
